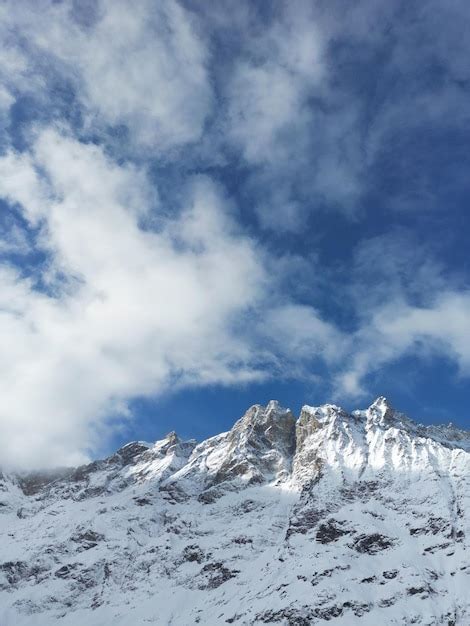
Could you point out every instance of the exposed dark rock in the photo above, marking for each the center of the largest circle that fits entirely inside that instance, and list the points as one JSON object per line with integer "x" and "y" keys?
{"x": 413, "y": 591}
{"x": 266, "y": 438}
{"x": 437, "y": 547}
{"x": 304, "y": 520}
{"x": 193, "y": 553}
{"x": 128, "y": 453}
{"x": 67, "y": 571}
{"x": 361, "y": 490}
{"x": 235, "y": 468}
{"x": 331, "y": 530}
{"x": 358, "y": 608}
{"x": 306, "y": 616}
{"x": 248, "y": 505}
{"x": 173, "y": 493}
{"x": 371, "y": 544}
{"x": 307, "y": 425}
{"x": 87, "y": 539}
{"x": 317, "y": 576}
{"x": 329, "y": 612}
{"x": 142, "y": 501}
{"x": 15, "y": 571}
{"x": 216, "y": 574}
{"x": 433, "y": 575}
{"x": 82, "y": 473}
{"x": 19, "y": 571}
{"x": 34, "y": 482}
{"x": 211, "y": 495}
{"x": 291, "y": 616}
{"x": 433, "y": 526}
{"x": 242, "y": 540}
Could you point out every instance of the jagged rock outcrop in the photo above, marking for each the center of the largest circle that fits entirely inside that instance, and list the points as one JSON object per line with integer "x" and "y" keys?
{"x": 359, "y": 518}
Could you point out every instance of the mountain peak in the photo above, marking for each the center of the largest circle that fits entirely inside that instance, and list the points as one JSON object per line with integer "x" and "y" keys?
{"x": 381, "y": 409}
{"x": 381, "y": 402}
{"x": 274, "y": 407}
{"x": 129, "y": 452}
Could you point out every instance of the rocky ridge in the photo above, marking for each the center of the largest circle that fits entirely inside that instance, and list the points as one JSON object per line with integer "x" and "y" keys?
{"x": 358, "y": 518}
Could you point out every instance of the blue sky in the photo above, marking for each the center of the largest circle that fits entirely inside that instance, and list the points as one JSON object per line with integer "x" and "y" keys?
{"x": 208, "y": 205}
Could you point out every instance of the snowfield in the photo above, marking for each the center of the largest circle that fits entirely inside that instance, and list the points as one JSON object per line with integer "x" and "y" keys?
{"x": 358, "y": 518}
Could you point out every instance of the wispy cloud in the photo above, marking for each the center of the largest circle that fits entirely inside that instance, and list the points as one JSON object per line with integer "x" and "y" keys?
{"x": 399, "y": 329}
{"x": 139, "y": 67}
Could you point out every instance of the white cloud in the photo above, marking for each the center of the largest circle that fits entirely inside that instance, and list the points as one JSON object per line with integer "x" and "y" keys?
{"x": 298, "y": 131}
{"x": 402, "y": 303}
{"x": 268, "y": 89}
{"x": 301, "y": 333}
{"x": 264, "y": 101}
{"x": 139, "y": 309}
{"x": 142, "y": 65}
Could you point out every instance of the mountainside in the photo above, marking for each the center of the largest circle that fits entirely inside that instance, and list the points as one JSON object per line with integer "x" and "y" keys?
{"x": 359, "y": 518}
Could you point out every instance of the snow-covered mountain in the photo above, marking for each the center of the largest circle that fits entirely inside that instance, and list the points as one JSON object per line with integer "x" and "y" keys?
{"x": 359, "y": 518}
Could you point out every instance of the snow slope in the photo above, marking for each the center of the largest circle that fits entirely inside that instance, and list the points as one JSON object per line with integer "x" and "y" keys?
{"x": 358, "y": 518}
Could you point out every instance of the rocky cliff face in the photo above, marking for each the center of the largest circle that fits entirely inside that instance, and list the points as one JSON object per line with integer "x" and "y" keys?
{"x": 358, "y": 518}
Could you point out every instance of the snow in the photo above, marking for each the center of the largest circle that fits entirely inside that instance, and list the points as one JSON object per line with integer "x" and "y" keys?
{"x": 358, "y": 518}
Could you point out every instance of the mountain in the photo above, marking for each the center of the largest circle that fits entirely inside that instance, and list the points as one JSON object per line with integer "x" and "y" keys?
{"x": 360, "y": 518}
